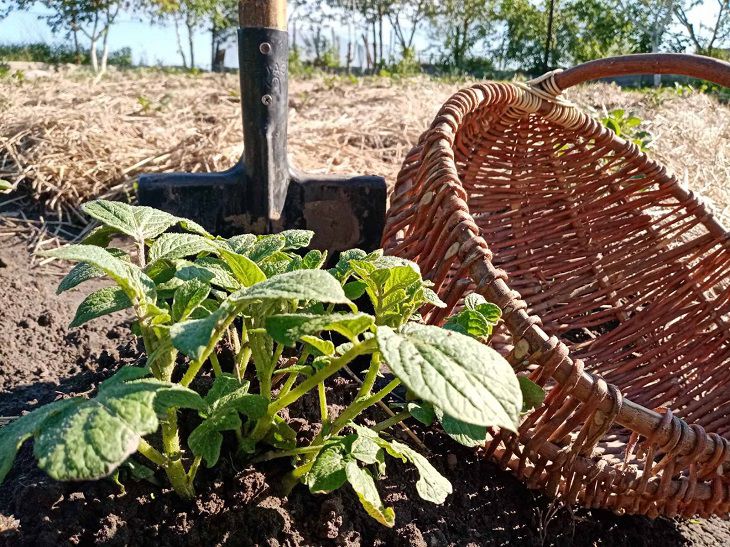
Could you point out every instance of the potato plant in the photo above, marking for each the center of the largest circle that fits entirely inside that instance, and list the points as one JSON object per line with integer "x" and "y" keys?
{"x": 291, "y": 325}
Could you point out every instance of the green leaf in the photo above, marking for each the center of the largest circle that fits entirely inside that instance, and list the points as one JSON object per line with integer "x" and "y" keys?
{"x": 242, "y": 244}
{"x": 395, "y": 289}
{"x": 188, "y": 297}
{"x": 100, "y": 236}
{"x": 297, "y": 285}
{"x": 195, "y": 336}
{"x": 139, "y": 222}
{"x": 91, "y": 439}
{"x": 224, "y": 384}
{"x": 281, "y": 436}
{"x": 432, "y": 298}
{"x": 5, "y": 186}
{"x": 490, "y": 311}
{"x": 313, "y": 260}
{"x": 364, "y": 486}
{"x": 355, "y": 289}
{"x": 251, "y": 405}
{"x": 175, "y": 246}
{"x": 328, "y": 470}
{"x": 206, "y": 439}
{"x": 296, "y": 239}
{"x": 470, "y": 323}
{"x": 177, "y": 397}
{"x": 288, "y": 328}
{"x": 532, "y": 394}
{"x": 423, "y": 412}
{"x": 463, "y": 433}
{"x": 84, "y": 272}
{"x": 192, "y": 226}
{"x": 431, "y": 486}
{"x": 14, "y": 434}
{"x": 130, "y": 278}
{"x": 266, "y": 246}
{"x": 244, "y": 269}
{"x": 466, "y": 379}
{"x": 321, "y": 347}
{"x": 210, "y": 270}
{"x": 365, "y": 449}
{"x": 100, "y": 303}
{"x": 278, "y": 263}
{"x": 343, "y": 264}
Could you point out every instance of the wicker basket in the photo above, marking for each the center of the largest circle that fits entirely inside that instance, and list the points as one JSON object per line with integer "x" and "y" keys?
{"x": 613, "y": 280}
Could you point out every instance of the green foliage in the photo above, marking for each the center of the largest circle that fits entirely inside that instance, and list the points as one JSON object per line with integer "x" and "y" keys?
{"x": 292, "y": 325}
{"x": 39, "y": 52}
{"x": 628, "y": 127}
{"x": 5, "y": 186}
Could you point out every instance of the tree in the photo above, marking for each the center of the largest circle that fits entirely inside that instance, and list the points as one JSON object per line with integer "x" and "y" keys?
{"x": 89, "y": 18}
{"x": 223, "y": 16}
{"x": 372, "y": 15}
{"x": 706, "y": 39}
{"x": 526, "y": 43}
{"x": 603, "y": 28}
{"x": 219, "y": 16}
{"x": 405, "y": 16}
{"x": 459, "y": 25}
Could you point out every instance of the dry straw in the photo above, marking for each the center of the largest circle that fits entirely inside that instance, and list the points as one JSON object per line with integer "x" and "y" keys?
{"x": 68, "y": 139}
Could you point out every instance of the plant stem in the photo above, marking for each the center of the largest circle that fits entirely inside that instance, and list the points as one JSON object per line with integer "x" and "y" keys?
{"x": 322, "y": 402}
{"x": 243, "y": 356}
{"x": 273, "y": 454}
{"x": 393, "y": 420}
{"x": 217, "y": 370}
{"x": 191, "y": 373}
{"x": 171, "y": 448}
{"x": 152, "y": 454}
{"x": 345, "y": 418}
{"x": 194, "y": 470}
{"x": 286, "y": 388}
{"x": 360, "y": 404}
{"x": 264, "y": 424}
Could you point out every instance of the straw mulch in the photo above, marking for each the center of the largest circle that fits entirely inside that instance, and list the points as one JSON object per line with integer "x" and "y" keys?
{"x": 66, "y": 139}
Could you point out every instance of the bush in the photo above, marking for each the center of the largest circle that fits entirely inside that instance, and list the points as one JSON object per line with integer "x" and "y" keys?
{"x": 59, "y": 54}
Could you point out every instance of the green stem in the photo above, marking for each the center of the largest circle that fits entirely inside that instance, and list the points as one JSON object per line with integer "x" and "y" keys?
{"x": 264, "y": 424}
{"x": 194, "y": 470}
{"x": 322, "y": 402}
{"x": 243, "y": 356}
{"x": 175, "y": 469}
{"x": 390, "y": 422}
{"x": 345, "y": 418}
{"x": 191, "y": 373}
{"x": 273, "y": 454}
{"x": 360, "y": 404}
{"x": 152, "y": 454}
{"x": 286, "y": 388}
{"x": 217, "y": 370}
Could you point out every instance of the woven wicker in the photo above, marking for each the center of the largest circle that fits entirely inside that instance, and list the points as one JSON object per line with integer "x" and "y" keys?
{"x": 613, "y": 281}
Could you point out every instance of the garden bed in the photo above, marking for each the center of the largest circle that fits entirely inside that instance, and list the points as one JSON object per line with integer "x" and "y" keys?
{"x": 42, "y": 360}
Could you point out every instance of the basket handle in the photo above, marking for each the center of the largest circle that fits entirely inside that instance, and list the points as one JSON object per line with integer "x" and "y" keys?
{"x": 694, "y": 66}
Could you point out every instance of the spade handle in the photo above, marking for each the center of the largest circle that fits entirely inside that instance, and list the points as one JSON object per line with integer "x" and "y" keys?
{"x": 262, "y": 14}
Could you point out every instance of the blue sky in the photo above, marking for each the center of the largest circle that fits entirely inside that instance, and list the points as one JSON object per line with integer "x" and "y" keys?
{"x": 151, "y": 44}
{"x": 156, "y": 44}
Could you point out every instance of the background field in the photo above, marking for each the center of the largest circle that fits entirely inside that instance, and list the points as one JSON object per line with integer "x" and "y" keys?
{"x": 65, "y": 138}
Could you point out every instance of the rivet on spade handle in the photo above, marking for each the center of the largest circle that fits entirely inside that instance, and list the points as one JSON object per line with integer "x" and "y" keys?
{"x": 261, "y": 193}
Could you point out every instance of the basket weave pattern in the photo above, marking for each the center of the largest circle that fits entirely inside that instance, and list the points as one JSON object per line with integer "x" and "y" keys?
{"x": 612, "y": 279}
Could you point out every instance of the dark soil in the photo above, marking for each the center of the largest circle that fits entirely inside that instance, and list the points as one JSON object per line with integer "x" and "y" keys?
{"x": 41, "y": 360}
